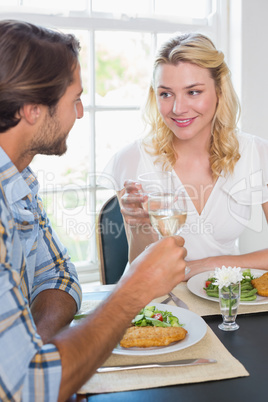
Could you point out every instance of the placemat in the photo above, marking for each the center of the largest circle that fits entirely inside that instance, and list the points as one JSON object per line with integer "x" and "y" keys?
{"x": 209, "y": 347}
{"x": 205, "y": 307}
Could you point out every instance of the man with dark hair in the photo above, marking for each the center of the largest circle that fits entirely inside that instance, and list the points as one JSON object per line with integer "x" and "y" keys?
{"x": 40, "y": 88}
{"x": 36, "y": 67}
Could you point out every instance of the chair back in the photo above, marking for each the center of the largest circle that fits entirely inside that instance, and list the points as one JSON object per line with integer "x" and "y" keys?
{"x": 111, "y": 242}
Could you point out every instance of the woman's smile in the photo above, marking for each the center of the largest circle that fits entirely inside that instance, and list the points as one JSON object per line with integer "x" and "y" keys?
{"x": 183, "y": 122}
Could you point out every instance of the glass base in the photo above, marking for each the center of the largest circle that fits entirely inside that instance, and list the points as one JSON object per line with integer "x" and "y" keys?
{"x": 228, "y": 327}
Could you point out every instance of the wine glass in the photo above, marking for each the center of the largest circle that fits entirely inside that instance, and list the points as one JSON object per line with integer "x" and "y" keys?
{"x": 167, "y": 212}
{"x": 156, "y": 182}
{"x": 163, "y": 186}
{"x": 152, "y": 182}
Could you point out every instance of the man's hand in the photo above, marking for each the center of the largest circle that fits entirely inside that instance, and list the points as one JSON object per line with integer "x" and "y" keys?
{"x": 158, "y": 269}
{"x": 85, "y": 347}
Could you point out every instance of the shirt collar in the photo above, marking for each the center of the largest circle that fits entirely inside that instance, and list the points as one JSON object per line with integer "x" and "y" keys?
{"x": 16, "y": 185}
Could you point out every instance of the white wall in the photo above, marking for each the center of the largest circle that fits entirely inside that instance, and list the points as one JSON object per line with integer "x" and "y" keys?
{"x": 255, "y": 67}
{"x": 248, "y": 60}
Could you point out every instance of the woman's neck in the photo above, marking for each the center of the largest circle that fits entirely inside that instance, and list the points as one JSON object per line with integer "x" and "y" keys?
{"x": 193, "y": 147}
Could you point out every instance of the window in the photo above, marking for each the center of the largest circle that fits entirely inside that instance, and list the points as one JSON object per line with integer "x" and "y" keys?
{"x": 119, "y": 39}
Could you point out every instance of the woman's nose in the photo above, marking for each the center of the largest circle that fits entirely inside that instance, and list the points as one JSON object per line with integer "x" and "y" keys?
{"x": 179, "y": 106}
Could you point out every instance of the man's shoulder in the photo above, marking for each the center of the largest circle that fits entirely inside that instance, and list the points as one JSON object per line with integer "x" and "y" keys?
{"x": 2, "y": 196}
{"x": 6, "y": 217}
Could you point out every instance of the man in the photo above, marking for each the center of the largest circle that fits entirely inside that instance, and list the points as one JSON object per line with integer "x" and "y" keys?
{"x": 40, "y": 88}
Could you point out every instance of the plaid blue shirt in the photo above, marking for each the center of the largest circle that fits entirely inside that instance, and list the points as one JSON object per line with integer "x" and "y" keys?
{"x": 32, "y": 259}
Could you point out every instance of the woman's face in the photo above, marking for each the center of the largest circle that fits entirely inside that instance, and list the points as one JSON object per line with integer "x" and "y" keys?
{"x": 186, "y": 99}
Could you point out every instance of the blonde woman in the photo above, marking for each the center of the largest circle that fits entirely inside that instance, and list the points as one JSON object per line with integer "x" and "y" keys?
{"x": 192, "y": 112}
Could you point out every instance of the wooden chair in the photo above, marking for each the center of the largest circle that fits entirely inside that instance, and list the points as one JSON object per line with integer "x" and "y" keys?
{"x": 111, "y": 242}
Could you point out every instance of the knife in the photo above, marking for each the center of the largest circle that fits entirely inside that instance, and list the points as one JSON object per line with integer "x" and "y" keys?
{"x": 175, "y": 363}
{"x": 166, "y": 301}
{"x": 177, "y": 301}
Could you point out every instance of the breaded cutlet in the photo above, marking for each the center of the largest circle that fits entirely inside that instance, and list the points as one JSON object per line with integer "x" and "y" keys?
{"x": 145, "y": 337}
{"x": 261, "y": 284}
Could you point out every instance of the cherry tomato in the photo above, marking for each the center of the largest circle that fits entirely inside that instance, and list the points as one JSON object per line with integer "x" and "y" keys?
{"x": 158, "y": 316}
{"x": 208, "y": 283}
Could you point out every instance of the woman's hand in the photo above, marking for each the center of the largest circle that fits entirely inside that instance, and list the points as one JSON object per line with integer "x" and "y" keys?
{"x": 198, "y": 266}
{"x": 131, "y": 199}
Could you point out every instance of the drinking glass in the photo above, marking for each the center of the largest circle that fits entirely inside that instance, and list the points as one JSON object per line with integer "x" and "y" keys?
{"x": 229, "y": 298}
{"x": 157, "y": 182}
{"x": 160, "y": 182}
{"x": 164, "y": 196}
{"x": 167, "y": 212}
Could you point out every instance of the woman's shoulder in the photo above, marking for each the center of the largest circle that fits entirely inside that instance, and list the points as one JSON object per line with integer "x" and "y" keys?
{"x": 250, "y": 177}
{"x": 130, "y": 150}
{"x": 123, "y": 166}
{"x": 253, "y": 152}
{"x": 247, "y": 140}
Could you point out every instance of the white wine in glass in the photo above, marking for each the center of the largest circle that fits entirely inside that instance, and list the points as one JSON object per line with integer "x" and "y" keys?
{"x": 167, "y": 212}
{"x": 166, "y": 217}
{"x": 167, "y": 225}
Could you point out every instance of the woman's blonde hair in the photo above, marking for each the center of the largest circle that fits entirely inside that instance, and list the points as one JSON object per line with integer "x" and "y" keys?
{"x": 197, "y": 49}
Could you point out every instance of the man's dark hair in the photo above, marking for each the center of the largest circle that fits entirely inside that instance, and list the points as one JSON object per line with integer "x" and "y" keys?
{"x": 36, "y": 66}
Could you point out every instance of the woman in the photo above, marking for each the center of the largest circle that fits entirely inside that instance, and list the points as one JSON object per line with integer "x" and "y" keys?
{"x": 192, "y": 111}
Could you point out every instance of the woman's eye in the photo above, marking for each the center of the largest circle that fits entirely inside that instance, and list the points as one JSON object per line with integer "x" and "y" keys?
{"x": 164, "y": 95}
{"x": 194, "y": 92}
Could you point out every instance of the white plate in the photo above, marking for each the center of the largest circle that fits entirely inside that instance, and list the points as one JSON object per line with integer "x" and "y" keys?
{"x": 197, "y": 282}
{"x": 194, "y": 324}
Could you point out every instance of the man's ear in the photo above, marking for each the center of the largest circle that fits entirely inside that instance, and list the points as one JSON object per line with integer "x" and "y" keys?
{"x": 30, "y": 112}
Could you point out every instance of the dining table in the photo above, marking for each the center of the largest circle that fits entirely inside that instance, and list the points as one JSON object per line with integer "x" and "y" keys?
{"x": 240, "y": 372}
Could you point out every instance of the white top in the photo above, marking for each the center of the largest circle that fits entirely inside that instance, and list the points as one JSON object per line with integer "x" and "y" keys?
{"x": 227, "y": 211}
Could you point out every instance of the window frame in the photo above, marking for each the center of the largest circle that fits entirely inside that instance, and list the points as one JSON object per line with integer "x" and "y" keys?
{"x": 215, "y": 26}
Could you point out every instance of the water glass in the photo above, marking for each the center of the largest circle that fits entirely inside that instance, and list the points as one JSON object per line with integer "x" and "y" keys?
{"x": 229, "y": 298}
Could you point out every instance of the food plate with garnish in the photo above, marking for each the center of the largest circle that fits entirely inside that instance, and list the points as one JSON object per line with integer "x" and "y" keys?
{"x": 195, "y": 326}
{"x": 197, "y": 284}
